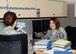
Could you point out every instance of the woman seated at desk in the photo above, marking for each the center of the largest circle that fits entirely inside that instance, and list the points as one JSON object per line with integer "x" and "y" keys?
{"x": 55, "y": 31}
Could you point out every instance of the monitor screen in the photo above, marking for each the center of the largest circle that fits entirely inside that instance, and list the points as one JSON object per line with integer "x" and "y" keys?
{"x": 40, "y": 26}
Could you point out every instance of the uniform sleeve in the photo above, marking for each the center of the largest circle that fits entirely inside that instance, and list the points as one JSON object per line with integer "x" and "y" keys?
{"x": 47, "y": 35}
{"x": 64, "y": 32}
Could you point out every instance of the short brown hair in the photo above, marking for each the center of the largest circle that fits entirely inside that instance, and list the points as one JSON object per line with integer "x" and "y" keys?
{"x": 56, "y": 21}
{"x": 9, "y": 18}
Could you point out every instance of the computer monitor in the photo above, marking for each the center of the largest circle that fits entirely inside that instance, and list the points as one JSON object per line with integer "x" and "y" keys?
{"x": 40, "y": 26}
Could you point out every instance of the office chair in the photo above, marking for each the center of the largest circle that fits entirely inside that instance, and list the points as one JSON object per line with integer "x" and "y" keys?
{"x": 71, "y": 34}
{"x": 13, "y": 44}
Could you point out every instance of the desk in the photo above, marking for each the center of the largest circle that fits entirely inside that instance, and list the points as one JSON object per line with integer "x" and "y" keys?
{"x": 74, "y": 51}
{"x": 51, "y": 51}
{"x": 40, "y": 52}
{"x": 44, "y": 52}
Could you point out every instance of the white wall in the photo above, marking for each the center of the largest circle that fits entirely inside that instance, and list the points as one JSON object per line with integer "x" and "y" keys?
{"x": 71, "y": 1}
{"x": 69, "y": 21}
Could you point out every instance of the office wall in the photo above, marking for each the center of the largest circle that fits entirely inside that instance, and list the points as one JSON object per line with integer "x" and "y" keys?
{"x": 70, "y": 20}
{"x": 28, "y": 24}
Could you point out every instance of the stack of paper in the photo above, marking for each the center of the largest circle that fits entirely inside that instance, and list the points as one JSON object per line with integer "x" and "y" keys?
{"x": 43, "y": 44}
{"x": 61, "y": 45}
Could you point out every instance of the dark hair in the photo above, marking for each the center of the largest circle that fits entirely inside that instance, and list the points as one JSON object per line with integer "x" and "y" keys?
{"x": 9, "y": 18}
{"x": 56, "y": 21}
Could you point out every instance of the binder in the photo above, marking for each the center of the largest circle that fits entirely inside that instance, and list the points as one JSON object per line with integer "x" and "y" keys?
{"x": 63, "y": 52}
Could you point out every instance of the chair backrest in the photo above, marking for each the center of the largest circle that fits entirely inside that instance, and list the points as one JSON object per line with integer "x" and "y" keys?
{"x": 71, "y": 33}
{"x": 15, "y": 38}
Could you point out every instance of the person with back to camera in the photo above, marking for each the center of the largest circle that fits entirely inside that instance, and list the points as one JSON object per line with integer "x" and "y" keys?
{"x": 12, "y": 41}
{"x": 55, "y": 31}
{"x": 9, "y": 20}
